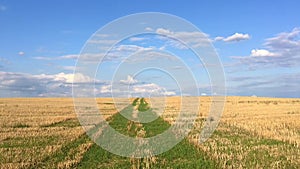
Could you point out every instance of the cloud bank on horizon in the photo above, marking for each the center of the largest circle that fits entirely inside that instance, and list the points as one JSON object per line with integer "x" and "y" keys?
{"x": 39, "y": 62}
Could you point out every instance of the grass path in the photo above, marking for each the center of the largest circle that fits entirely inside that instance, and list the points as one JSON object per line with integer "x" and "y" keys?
{"x": 183, "y": 155}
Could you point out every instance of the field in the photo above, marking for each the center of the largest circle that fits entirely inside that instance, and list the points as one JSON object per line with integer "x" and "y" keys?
{"x": 253, "y": 133}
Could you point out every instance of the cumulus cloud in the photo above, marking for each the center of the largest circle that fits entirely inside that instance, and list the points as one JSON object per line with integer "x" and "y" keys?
{"x": 60, "y": 85}
{"x": 133, "y": 88}
{"x": 23, "y": 85}
{"x": 150, "y": 89}
{"x": 129, "y": 80}
{"x": 262, "y": 53}
{"x": 237, "y": 37}
{"x": 41, "y": 85}
{"x": 282, "y": 50}
{"x": 233, "y": 38}
{"x": 72, "y": 78}
{"x": 143, "y": 89}
{"x": 219, "y": 38}
{"x": 106, "y": 89}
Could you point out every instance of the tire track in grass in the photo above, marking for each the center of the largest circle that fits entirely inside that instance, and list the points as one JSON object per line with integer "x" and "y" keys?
{"x": 97, "y": 157}
{"x": 183, "y": 155}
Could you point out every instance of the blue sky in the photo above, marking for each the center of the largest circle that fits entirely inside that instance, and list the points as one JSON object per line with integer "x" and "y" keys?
{"x": 258, "y": 43}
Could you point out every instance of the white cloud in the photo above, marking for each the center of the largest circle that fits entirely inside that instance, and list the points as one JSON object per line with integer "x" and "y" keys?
{"x": 21, "y": 53}
{"x": 131, "y": 48}
{"x": 164, "y": 31}
{"x": 72, "y": 78}
{"x": 262, "y": 53}
{"x": 56, "y": 85}
{"x": 134, "y": 88}
{"x": 285, "y": 41}
{"x": 43, "y": 58}
{"x": 147, "y": 56}
{"x": 162, "y": 48}
{"x": 71, "y": 56}
{"x": 135, "y": 39}
{"x": 116, "y": 53}
{"x": 106, "y": 89}
{"x": 142, "y": 88}
{"x": 60, "y": 85}
{"x": 129, "y": 80}
{"x": 194, "y": 39}
{"x": 103, "y": 41}
{"x": 282, "y": 50}
{"x": 150, "y": 89}
{"x": 137, "y": 89}
{"x": 148, "y": 29}
{"x": 234, "y": 38}
{"x": 219, "y": 38}
{"x": 87, "y": 57}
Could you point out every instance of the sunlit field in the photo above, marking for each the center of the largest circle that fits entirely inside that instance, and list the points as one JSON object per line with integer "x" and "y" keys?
{"x": 253, "y": 133}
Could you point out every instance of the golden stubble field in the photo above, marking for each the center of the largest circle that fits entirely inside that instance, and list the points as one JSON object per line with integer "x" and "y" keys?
{"x": 253, "y": 132}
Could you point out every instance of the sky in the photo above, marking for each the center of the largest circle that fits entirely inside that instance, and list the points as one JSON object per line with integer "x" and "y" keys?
{"x": 257, "y": 42}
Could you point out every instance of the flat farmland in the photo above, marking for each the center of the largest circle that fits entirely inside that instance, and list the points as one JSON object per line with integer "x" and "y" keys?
{"x": 253, "y": 133}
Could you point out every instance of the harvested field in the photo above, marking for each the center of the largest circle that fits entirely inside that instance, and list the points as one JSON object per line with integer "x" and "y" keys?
{"x": 253, "y": 133}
